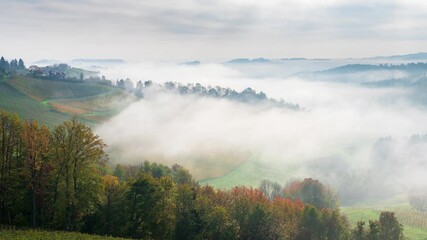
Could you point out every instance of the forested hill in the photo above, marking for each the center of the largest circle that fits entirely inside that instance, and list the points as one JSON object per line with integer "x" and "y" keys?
{"x": 52, "y": 94}
{"x": 59, "y": 180}
{"x": 413, "y": 68}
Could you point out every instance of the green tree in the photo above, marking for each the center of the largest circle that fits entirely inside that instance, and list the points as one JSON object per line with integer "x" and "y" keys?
{"x": 312, "y": 225}
{"x": 151, "y": 208}
{"x": 390, "y": 227}
{"x": 374, "y": 230}
{"x": 181, "y": 175}
{"x": 109, "y": 217}
{"x": 4, "y": 64}
{"x": 312, "y": 192}
{"x": 359, "y": 232}
{"x": 188, "y": 219}
{"x": 11, "y": 161}
{"x": 77, "y": 152}
{"x": 21, "y": 64}
{"x": 260, "y": 223}
{"x": 336, "y": 225}
{"x": 216, "y": 220}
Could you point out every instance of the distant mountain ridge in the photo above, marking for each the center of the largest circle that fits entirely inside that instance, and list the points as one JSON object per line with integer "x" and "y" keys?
{"x": 247, "y": 60}
{"x": 97, "y": 61}
{"x": 414, "y": 68}
{"x": 411, "y": 56}
{"x": 404, "y": 57}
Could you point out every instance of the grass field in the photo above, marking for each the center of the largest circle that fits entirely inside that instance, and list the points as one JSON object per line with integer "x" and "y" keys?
{"x": 251, "y": 173}
{"x": 42, "y": 235}
{"x": 14, "y": 101}
{"x": 39, "y": 89}
{"x": 52, "y": 102}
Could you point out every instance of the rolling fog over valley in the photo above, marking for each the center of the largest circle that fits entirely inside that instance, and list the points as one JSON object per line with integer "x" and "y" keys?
{"x": 338, "y": 135}
{"x": 213, "y": 119}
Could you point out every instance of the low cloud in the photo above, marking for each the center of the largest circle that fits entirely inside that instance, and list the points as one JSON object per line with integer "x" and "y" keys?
{"x": 337, "y": 127}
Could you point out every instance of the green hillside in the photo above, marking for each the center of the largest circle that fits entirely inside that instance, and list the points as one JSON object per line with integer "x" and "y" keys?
{"x": 52, "y": 102}
{"x": 46, "y": 89}
{"x": 251, "y": 173}
{"x": 14, "y": 101}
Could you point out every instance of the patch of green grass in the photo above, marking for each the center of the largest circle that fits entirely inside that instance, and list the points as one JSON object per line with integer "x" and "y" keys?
{"x": 360, "y": 214}
{"x": 42, "y": 235}
{"x": 251, "y": 173}
{"x": 414, "y": 233}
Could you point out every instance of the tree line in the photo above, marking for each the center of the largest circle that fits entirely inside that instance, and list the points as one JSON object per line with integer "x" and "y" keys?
{"x": 60, "y": 179}
{"x": 10, "y": 67}
{"x": 248, "y": 95}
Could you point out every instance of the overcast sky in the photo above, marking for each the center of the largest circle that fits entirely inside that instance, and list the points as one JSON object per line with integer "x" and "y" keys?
{"x": 210, "y": 30}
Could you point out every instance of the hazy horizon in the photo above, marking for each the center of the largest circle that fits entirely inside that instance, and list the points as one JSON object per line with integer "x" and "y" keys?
{"x": 210, "y": 31}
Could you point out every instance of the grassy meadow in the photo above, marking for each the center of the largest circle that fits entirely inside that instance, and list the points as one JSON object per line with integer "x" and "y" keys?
{"x": 52, "y": 102}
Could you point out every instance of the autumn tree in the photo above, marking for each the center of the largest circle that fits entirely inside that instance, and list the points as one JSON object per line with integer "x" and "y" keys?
{"x": 287, "y": 216}
{"x": 36, "y": 142}
{"x": 243, "y": 201}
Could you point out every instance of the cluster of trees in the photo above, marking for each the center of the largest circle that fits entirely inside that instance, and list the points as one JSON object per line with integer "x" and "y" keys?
{"x": 48, "y": 178}
{"x": 248, "y": 95}
{"x": 387, "y": 227}
{"x": 60, "y": 179}
{"x": 54, "y": 72}
{"x": 11, "y": 67}
{"x": 58, "y": 72}
{"x": 309, "y": 190}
